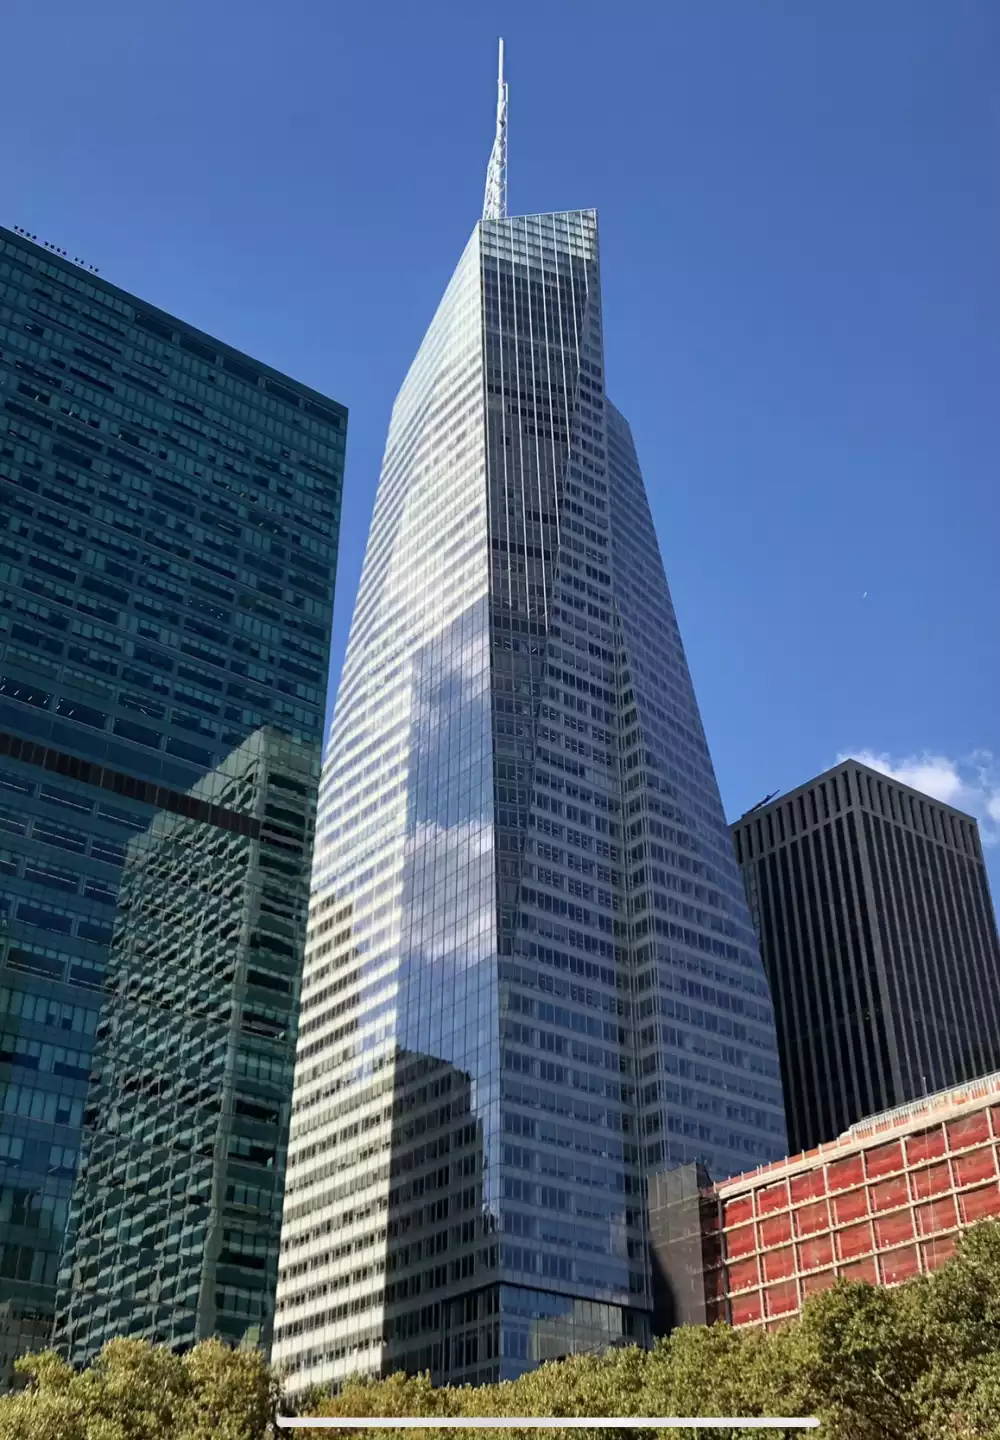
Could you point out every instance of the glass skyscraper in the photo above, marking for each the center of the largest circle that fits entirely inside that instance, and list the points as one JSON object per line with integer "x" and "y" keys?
{"x": 169, "y": 514}
{"x": 530, "y": 974}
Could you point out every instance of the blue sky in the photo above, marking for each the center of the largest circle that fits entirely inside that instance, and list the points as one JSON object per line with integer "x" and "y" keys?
{"x": 799, "y": 222}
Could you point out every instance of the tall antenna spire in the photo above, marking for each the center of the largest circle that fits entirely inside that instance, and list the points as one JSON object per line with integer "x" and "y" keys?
{"x": 495, "y": 199}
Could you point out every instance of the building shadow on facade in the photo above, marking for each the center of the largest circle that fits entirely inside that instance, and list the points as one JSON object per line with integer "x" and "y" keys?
{"x": 684, "y": 1247}
{"x": 441, "y": 1295}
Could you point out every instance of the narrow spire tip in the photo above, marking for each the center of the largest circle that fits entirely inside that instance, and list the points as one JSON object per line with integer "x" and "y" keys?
{"x": 495, "y": 198}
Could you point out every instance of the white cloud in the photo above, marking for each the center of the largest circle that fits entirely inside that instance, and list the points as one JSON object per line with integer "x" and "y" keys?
{"x": 971, "y": 783}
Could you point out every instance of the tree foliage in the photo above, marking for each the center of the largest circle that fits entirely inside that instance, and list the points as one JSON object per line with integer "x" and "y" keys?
{"x": 136, "y": 1391}
{"x": 919, "y": 1362}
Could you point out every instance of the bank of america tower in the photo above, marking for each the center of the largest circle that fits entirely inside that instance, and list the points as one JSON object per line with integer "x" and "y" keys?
{"x": 530, "y": 976}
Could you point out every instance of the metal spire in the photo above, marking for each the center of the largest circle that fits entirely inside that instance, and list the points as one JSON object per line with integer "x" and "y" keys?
{"x": 495, "y": 199}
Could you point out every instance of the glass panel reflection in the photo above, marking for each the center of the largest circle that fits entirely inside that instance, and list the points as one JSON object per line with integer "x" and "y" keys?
{"x": 530, "y": 976}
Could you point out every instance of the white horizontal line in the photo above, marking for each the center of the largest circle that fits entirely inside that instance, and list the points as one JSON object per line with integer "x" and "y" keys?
{"x": 544, "y": 1422}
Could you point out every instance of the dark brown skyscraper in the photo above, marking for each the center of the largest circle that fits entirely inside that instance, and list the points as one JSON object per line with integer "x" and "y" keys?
{"x": 873, "y": 912}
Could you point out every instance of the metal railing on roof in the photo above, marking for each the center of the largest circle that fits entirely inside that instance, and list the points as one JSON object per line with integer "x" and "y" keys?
{"x": 941, "y": 1100}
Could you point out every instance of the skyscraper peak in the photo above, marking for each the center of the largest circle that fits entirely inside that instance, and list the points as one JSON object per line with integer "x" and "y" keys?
{"x": 495, "y": 199}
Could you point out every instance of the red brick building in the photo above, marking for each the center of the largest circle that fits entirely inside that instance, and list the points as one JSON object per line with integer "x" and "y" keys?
{"x": 882, "y": 1203}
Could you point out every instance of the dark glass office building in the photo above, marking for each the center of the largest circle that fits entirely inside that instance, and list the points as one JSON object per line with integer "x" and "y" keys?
{"x": 873, "y": 911}
{"x": 170, "y": 513}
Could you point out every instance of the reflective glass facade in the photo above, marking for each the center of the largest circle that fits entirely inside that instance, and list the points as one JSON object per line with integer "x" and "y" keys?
{"x": 169, "y": 513}
{"x": 529, "y": 968}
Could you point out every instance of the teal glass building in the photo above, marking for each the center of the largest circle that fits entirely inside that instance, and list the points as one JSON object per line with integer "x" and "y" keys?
{"x": 169, "y": 515}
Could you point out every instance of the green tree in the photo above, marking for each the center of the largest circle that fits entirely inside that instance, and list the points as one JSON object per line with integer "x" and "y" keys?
{"x": 975, "y": 1414}
{"x": 918, "y": 1362}
{"x": 136, "y": 1391}
{"x": 708, "y": 1371}
{"x": 855, "y": 1359}
{"x": 958, "y": 1309}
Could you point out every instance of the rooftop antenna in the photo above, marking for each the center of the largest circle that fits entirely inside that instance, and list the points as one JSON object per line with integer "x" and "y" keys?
{"x": 495, "y": 199}
{"x": 760, "y": 804}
